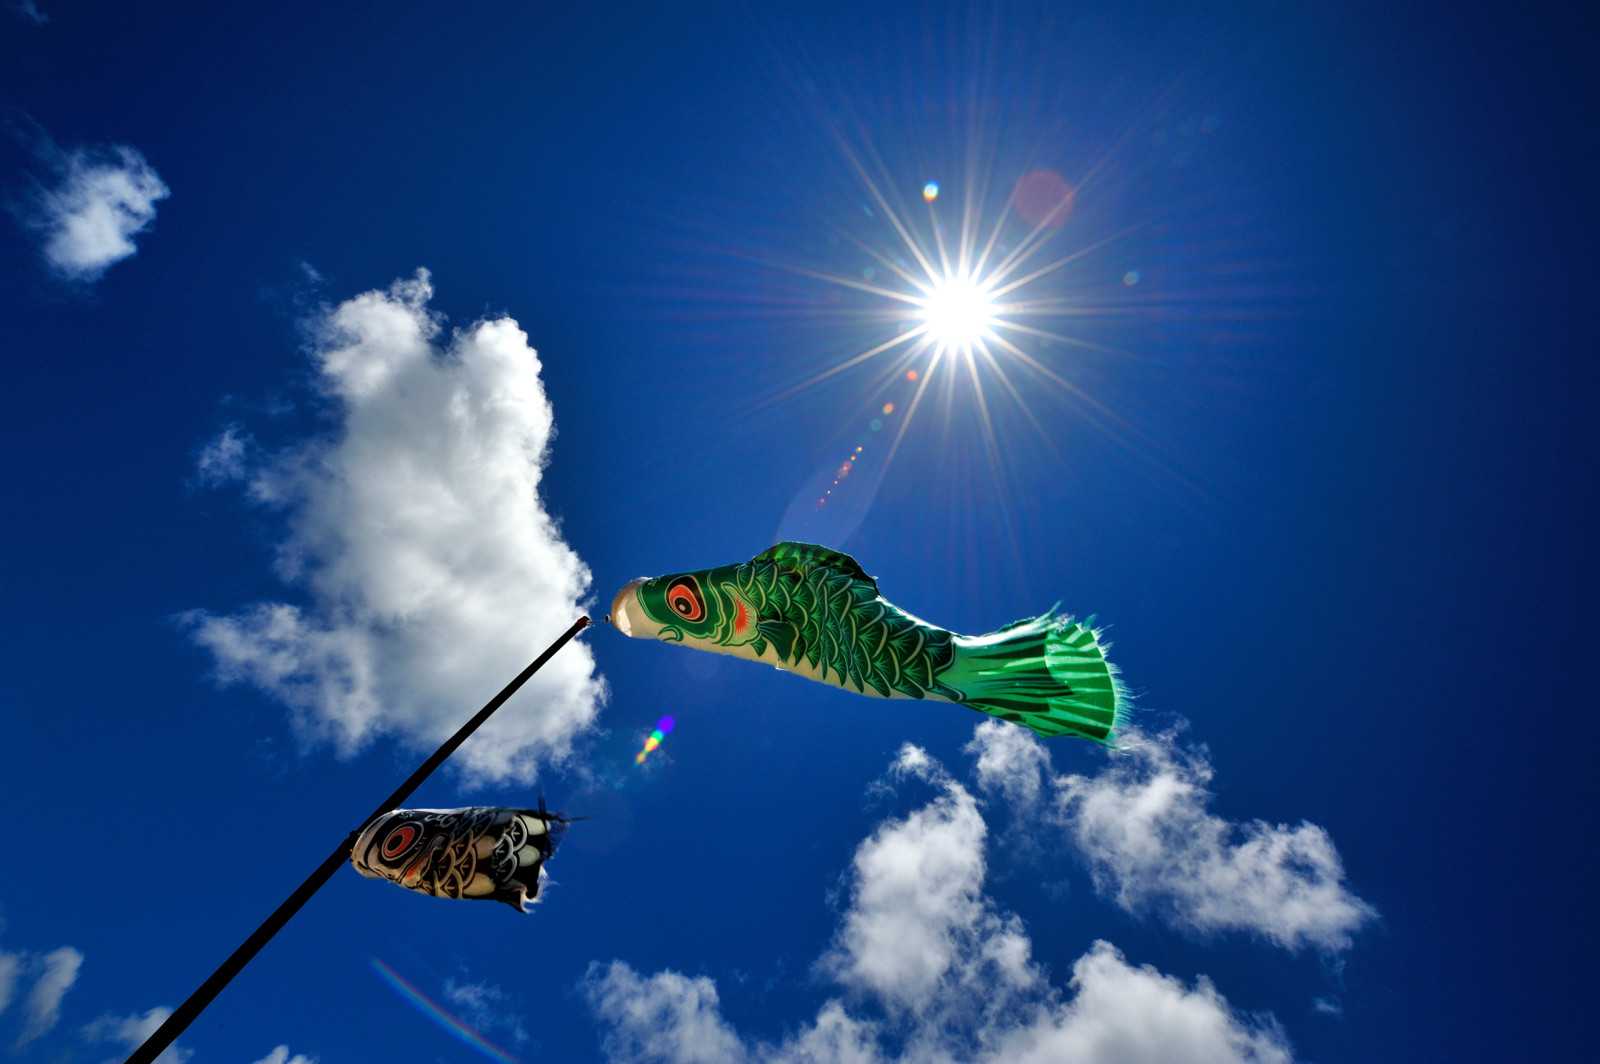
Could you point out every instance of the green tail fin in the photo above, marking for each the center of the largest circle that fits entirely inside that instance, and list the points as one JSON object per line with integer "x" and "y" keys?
{"x": 1047, "y": 673}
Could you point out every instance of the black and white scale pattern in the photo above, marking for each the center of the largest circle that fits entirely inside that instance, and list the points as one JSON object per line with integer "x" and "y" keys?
{"x": 480, "y": 852}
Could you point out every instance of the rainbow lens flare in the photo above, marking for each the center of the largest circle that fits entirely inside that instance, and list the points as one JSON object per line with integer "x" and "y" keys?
{"x": 664, "y": 728}
{"x": 438, "y": 1014}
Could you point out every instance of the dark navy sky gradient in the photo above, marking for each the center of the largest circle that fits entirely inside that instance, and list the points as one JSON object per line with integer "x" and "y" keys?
{"x": 1350, "y": 536}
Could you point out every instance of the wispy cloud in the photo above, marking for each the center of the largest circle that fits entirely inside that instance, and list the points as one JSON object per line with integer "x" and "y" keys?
{"x": 129, "y": 1032}
{"x": 51, "y": 974}
{"x": 933, "y": 970}
{"x": 58, "y": 970}
{"x": 10, "y": 975}
{"x": 28, "y": 12}
{"x": 280, "y": 1055}
{"x": 95, "y": 201}
{"x": 485, "y": 1006}
{"x": 1151, "y": 844}
{"x": 223, "y": 459}
{"x": 431, "y": 570}
{"x": 47, "y": 977}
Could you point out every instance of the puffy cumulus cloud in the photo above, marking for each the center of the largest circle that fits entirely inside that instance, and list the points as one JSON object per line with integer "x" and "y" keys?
{"x": 932, "y": 971}
{"x": 40, "y": 981}
{"x": 99, "y": 201}
{"x": 129, "y": 1032}
{"x": 1011, "y": 762}
{"x": 1119, "y": 1012}
{"x": 1143, "y": 826}
{"x": 431, "y": 569}
{"x": 666, "y": 1017}
{"x": 919, "y": 927}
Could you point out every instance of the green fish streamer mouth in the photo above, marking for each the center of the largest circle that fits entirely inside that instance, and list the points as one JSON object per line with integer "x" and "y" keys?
{"x": 707, "y": 608}
{"x": 625, "y": 613}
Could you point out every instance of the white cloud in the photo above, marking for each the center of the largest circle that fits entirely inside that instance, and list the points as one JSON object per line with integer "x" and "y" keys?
{"x": 280, "y": 1055}
{"x": 1009, "y": 760}
{"x": 1122, "y": 1013}
{"x": 100, "y": 201}
{"x": 432, "y": 570}
{"x": 129, "y": 1033}
{"x": 934, "y": 972}
{"x": 918, "y": 923}
{"x": 52, "y": 975}
{"x": 58, "y": 970}
{"x": 223, "y": 460}
{"x": 667, "y": 1017}
{"x": 10, "y": 975}
{"x": 1151, "y": 845}
{"x": 485, "y": 1006}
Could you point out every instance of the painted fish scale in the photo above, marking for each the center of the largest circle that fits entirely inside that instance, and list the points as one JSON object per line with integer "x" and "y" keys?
{"x": 852, "y": 637}
{"x": 835, "y": 609}
{"x": 824, "y": 621}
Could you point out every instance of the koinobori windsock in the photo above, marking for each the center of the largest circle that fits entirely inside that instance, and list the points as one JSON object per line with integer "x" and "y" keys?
{"x": 481, "y": 852}
{"x": 816, "y": 612}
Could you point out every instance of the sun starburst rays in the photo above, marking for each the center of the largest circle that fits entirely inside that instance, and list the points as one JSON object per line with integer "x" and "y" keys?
{"x": 964, "y": 303}
{"x": 971, "y": 314}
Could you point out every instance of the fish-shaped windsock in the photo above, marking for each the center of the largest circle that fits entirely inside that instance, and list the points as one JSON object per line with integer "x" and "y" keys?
{"x": 814, "y": 611}
{"x": 481, "y": 852}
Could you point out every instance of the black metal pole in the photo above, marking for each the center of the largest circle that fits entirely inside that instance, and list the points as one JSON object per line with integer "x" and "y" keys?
{"x": 185, "y": 1014}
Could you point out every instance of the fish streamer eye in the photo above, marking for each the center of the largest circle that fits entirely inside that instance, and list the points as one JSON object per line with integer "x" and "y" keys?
{"x": 684, "y": 598}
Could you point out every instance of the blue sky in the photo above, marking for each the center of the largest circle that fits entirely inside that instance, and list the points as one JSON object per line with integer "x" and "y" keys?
{"x": 352, "y": 351}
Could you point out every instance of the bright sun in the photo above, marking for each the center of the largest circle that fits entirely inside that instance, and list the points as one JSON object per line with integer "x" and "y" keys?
{"x": 958, "y": 312}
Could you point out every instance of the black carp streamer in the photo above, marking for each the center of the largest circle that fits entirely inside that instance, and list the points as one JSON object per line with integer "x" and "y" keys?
{"x": 486, "y": 853}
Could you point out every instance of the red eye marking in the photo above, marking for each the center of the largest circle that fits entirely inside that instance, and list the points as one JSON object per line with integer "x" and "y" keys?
{"x": 683, "y": 598}
{"x": 741, "y": 619}
{"x": 399, "y": 841}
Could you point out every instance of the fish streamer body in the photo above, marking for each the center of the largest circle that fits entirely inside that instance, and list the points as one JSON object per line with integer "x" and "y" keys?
{"x": 816, "y": 612}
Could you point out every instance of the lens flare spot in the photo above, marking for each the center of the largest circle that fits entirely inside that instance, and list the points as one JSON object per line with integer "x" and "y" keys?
{"x": 1043, "y": 198}
{"x": 664, "y": 728}
{"x": 930, "y": 191}
{"x": 1131, "y": 278}
{"x": 911, "y": 374}
{"x": 888, "y": 408}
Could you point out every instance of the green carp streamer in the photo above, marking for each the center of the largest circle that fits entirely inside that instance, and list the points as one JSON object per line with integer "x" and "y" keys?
{"x": 816, "y": 612}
